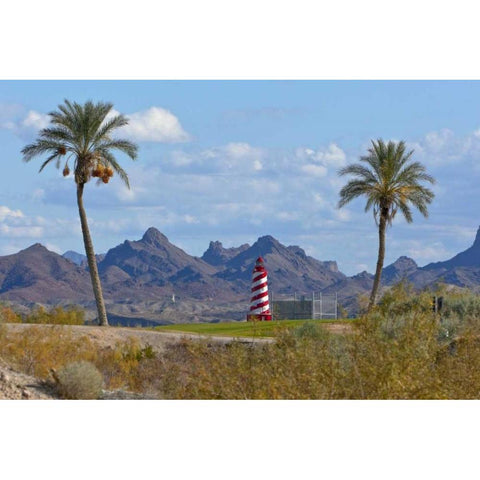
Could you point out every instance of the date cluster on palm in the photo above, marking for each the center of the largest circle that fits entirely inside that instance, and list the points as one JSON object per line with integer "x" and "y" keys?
{"x": 102, "y": 172}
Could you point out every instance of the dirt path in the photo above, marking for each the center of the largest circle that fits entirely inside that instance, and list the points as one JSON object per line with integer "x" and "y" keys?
{"x": 108, "y": 337}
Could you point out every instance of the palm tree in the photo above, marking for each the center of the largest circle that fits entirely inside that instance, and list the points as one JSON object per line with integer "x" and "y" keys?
{"x": 83, "y": 133}
{"x": 390, "y": 181}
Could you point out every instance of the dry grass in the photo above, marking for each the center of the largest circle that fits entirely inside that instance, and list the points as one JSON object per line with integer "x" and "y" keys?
{"x": 400, "y": 351}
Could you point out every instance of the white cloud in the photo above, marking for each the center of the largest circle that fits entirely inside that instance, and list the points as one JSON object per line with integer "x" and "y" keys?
{"x": 444, "y": 147}
{"x": 230, "y": 159}
{"x": 35, "y": 121}
{"x": 315, "y": 170}
{"x": 190, "y": 219}
{"x": 124, "y": 194}
{"x": 436, "y": 141}
{"x": 27, "y": 126}
{"x": 153, "y": 125}
{"x": 240, "y": 150}
{"x": 181, "y": 159}
{"x": 343, "y": 214}
{"x": 21, "y": 231}
{"x": 428, "y": 253}
{"x": 15, "y": 224}
{"x": 287, "y": 216}
{"x": 257, "y": 165}
{"x": 332, "y": 156}
{"x": 6, "y": 212}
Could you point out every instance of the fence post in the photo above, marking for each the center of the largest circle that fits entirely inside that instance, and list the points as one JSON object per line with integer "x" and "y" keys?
{"x": 271, "y": 303}
{"x": 313, "y": 305}
{"x": 336, "y": 306}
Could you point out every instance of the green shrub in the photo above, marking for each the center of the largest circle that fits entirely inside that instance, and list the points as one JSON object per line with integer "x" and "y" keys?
{"x": 402, "y": 298}
{"x": 79, "y": 381}
{"x": 461, "y": 306}
{"x": 309, "y": 330}
{"x": 450, "y": 327}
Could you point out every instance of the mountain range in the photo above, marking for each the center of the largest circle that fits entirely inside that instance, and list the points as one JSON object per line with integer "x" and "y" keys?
{"x": 153, "y": 281}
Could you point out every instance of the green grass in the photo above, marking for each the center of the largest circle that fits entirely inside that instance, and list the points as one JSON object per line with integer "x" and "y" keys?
{"x": 240, "y": 329}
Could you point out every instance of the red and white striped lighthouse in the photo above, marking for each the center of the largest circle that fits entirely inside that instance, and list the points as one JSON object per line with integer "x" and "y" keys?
{"x": 259, "y": 305}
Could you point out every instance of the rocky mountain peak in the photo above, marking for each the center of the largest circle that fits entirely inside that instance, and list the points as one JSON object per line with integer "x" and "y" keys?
{"x": 217, "y": 255}
{"x": 267, "y": 244}
{"x": 476, "y": 243}
{"x": 215, "y": 246}
{"x": 36, "y": 247}
{"x": 405, "y": 262}
{"x": 398, "y": 270}
{"x": 154, "y": 237}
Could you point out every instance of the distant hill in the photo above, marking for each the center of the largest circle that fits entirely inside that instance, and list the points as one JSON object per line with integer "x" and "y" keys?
{"x": 469, "y": 258}
{"x": 75, "y": 257}
{"x": 141, "y": 278}
{"x": 290, "y": 269}
{"x": 80, "y": 259}
{"x": 38, "y": 275}
{"x": 462, "y": 270}
{"x": 399, "y": 270}
{"x": 153, "y": 266}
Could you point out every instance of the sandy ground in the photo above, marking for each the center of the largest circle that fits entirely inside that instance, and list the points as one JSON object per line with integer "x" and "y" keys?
{"x": 17, "y": 386}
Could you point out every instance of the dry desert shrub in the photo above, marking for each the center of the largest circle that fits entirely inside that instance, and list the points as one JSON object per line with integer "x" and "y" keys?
{"x": 7, "y": 315}
{"x": 72, "y": 315}
{"x": 37, "y": 350}
{"x": 127, "y": 365}
{"x": 79, "y": 381}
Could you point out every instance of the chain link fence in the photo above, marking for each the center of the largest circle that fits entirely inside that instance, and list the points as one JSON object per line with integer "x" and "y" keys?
{"x": 304, "y": 306}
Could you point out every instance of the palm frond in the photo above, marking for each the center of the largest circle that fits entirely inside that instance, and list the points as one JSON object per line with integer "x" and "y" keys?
{"x": 40, "y": 147}
{"x": 82, "y": 131}
{"x": 47, "y": 161}
{"x": 108, "y": 126}
{"x": 124, "y": 146}
{"x": 389, "y": 180}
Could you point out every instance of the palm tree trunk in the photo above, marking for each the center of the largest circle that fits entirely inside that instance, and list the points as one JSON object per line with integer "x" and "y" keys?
{"x": 381, "y": 256}
{"x": 92, "y": 261}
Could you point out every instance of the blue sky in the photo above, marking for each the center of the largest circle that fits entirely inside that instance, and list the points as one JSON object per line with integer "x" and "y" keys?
{"x": 234, "y": 160}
